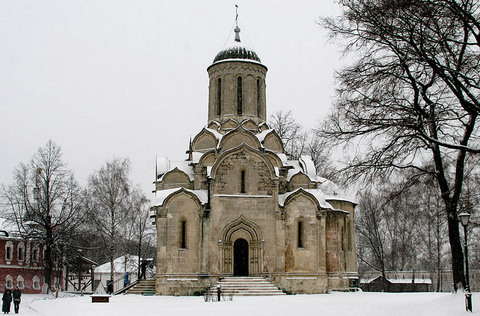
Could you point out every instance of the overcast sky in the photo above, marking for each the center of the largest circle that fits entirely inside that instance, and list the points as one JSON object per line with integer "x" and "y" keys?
{"x": 115, "y": 78}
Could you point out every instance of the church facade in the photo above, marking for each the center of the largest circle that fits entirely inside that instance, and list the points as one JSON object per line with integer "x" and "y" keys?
{"x": 238, "y": 207}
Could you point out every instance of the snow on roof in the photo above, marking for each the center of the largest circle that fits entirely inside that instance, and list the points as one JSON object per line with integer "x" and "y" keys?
{"x": 215, "y": 133}
{"x": 407, "y": 281}
{"x": 7, "y": 225}
{"x": 317, "y": 194}
{"x": 239, "y": 59}
{"x": 308, "y": 166}
{"x": 293, "y": 171}
{"x": 399, "y": 281}
{"x": 300, "y": 166}
{"x": 282, "y": 157}
{"x": 127, "y": 263}
{"x": 334, "y": 192}
{"x": 162, "y": 195}
{"x": 196, "y": 155}
{"x": 182, "y": 166}
{"x": 261, "y": 136}
{"x": 209, "y": 171}
{"x": 263, "y": 123}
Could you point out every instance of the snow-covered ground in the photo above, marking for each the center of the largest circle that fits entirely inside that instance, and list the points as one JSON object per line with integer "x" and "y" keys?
{"x": 358, "y": 304}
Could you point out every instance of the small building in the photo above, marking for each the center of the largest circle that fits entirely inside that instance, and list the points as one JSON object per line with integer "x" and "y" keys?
{"x": 21, "y": 263}
{"x": 380, "y": 284}
{"x": 123, "y": 266}
{"x": 441, "y": 281}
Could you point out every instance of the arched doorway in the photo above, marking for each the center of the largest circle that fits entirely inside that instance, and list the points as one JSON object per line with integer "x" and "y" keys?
{"x": 240, "y": 257}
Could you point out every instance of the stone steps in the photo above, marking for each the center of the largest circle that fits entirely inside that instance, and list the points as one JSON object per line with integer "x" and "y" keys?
{"x": 144, "y": 287}
{"x": 246, "y": 286}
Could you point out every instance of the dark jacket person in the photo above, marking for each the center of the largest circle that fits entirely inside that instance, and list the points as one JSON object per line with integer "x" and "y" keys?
{"x": 17, "y": 293}
{"x": 7, "y": 300}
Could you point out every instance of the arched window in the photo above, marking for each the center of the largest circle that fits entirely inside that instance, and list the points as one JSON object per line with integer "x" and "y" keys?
{"x": 300, "y": 235}
{"x": 243, "y": 182}
{"x": 219, "y": 96}
{"x": 258, "y": 97}
{"x": 9, "y": 282}
{"x": 9, "y": 251}
{"x": 36, "y": 254}
{"x": 21, "y": 252}
{"x": 183, "y": 234}
{"x": 36, "y": 283}
{"x": 239, "y": 96}
{"x": 20, "y": 282}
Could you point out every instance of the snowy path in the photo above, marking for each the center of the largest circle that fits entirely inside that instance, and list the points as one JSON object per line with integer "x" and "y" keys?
{"x": 358, "y": 304}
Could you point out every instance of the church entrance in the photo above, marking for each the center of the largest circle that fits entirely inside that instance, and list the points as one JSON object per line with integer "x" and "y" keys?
{"x": 240, "y": 257}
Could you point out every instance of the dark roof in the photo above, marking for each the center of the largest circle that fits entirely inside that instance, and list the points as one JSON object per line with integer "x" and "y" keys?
{"x": 237, "y": 52}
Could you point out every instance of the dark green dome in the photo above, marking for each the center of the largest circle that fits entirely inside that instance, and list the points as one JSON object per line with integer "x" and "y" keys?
{"x": 237, "y": 52}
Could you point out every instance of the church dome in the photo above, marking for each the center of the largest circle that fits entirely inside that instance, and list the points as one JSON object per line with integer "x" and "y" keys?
{"x": 237, "y": 51}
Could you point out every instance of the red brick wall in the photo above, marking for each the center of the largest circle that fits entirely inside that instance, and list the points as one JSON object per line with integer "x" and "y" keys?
{"x": 27, "y": 268}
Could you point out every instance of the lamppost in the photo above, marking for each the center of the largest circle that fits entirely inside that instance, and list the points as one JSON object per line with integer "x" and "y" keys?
{"x": 464, "y": 217}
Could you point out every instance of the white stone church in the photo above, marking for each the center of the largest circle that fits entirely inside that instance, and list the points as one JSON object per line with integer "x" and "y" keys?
{"x": 238, "y": 207}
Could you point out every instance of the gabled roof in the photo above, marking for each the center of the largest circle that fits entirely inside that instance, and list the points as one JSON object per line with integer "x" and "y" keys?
{"x": 131, "y": 262}
{"x": 261, "y": 136}
{"x": 314, "y": 193}
{"x": 162, "y": 195}
{"x": 181, "y": 166}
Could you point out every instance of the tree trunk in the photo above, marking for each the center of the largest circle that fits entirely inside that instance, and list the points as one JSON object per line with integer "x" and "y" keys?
{"x": 47, "y": 260}
{"x": 456, "y": 249}
{"x": 112, "y": 257}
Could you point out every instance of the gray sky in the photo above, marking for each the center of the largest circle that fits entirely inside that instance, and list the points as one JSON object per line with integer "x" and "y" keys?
{"x": 116, "y": 78}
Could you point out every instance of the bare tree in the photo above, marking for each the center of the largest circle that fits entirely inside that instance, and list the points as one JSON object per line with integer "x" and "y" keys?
{"x": 371, "y": 240}
{"x": 412, "y": 94}
{"x": 290, "y": 131}
{"x": 388, "y": 228}
{"x": 141, "y": 231}
{"x": 109, "y": 202}
{"x": 298, "y": 142}
{"x": 46, "y": 203}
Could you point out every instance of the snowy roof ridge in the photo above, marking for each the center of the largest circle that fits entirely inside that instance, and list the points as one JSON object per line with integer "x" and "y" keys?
{"x": 316, "y": 193}
{"x": 126, "y": 263}
{"x": 162, "y": 195}
{"x": 261, "y": 136}
{"x": 183, "y": 166}
{"x": 215, "y": 133}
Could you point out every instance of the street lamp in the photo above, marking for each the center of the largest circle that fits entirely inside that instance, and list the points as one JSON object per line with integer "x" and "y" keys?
{"x": 464, "y": 217}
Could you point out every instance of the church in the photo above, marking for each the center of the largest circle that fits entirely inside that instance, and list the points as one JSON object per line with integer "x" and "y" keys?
{"x": 237, "y": 206}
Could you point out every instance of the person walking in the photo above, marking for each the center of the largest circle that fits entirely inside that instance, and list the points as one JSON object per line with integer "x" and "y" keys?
{"x": 7, "y": 300}
{"x": 17, "y": 293}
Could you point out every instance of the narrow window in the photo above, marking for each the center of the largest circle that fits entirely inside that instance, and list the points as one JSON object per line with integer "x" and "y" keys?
{"x": 36, "y": 282}
{"x": 349, "y": 236}
{"x": 9, "y": 282}
{"x": 300, "y": 234}
{"x": 242, "y": 182}
{"x": 35, "y": 254}
{"x": 183, "y": 234}
{"x": 258, "y": 97}
{"x": 239, "y": 96}
{"x": 8, "y": 253}
{"x": 20, "y": 282}
{"x": 219, "y": 97}
{"x": 21, "y": 253}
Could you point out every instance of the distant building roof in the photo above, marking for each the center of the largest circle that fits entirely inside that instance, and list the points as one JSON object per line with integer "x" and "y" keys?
{"x": 127, "y": 263}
